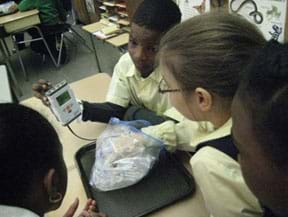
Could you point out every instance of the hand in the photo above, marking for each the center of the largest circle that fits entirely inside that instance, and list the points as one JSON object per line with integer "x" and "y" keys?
{"x": 72, "y": 209}
{"x": 13, "y": 8}
{"x": 136, "y": 123}
{"x": 90, "y": 210}
{"x": 39, "y": 90}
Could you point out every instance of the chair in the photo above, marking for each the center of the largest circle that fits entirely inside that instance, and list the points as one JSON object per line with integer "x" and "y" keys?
{"x": 40, "y": 38}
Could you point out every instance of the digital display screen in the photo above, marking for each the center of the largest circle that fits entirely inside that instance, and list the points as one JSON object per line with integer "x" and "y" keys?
{"x": 63, "y": 98}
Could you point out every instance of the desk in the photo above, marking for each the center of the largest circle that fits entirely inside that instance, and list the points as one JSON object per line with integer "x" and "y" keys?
{"x": 5, "y": 91}
{"x": 116, "y": 41}
{"x": 94, "y": 88}
{"x": 19, "y": 20}
{"x": 11, "y": 23}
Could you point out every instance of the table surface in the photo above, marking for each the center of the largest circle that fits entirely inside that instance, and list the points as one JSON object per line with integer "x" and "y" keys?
{"x": 117, "y": 41}
{"x": 94, "y": 89}
{"x": 5, "y": 90}
{"x": 19, "y": 15}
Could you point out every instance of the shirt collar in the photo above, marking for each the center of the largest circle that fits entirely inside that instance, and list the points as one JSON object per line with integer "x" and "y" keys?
{"x": 12, "y": 211}
{"x": 155, "y": 75}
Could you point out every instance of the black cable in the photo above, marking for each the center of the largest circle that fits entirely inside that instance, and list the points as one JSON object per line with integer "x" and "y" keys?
{"x": 79, "y": 136}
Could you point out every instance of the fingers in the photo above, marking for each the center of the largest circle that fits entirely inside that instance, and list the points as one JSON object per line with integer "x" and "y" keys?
{"x": 72, "y": 209}
{"x": 84, "y": 213}
{"x": 92, "y": 207}
{"x": 91, "y": 214}
{"x": 88, "y": 203}
{"x": 39, "y": 90}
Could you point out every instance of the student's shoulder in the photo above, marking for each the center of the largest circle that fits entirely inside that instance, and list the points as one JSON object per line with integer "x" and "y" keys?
{"x": 125, "y": 60}
{"x": 125, "y": 66}
{"x": 212, "y": 159}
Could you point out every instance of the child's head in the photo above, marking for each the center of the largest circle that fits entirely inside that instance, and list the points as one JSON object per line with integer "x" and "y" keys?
{"x": 32, "y": 170}
{"x": 152, "y": 19}
{"x": 260, "y": 123}
{"x": 201, "y": 60}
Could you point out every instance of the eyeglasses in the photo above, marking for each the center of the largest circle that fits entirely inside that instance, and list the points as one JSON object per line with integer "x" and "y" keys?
{"x": 163, "y": 88}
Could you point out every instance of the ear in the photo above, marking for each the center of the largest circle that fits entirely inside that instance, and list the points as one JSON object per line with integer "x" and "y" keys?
{"x": 49, "y": 181}
{"x": 204, "y": 99}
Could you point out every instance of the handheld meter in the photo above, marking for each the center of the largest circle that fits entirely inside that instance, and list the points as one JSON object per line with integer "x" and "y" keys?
{"x": 63, "y": 103}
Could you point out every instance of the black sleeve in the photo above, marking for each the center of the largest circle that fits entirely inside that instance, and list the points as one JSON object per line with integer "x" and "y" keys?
{"x": 136, "y": 112}
{"x": 102, "y": 112}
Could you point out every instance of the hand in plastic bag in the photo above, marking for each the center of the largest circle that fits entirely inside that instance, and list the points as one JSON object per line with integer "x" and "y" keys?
{"x": 138, "y": 124}
{"x": 124, "y": 155}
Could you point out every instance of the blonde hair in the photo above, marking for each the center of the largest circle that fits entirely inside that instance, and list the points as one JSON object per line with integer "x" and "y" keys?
{"x": 211, "y": 51}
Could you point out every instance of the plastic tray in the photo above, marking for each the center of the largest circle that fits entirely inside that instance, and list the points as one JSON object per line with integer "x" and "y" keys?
{"x": 168, "y": 182}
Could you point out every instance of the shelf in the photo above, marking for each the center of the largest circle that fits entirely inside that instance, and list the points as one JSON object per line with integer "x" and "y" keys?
{"x": 109, "y": 4}
{"x": 121, "y": 5}
{"x": 122, "y": 13}
{"x": 123, "y": 22}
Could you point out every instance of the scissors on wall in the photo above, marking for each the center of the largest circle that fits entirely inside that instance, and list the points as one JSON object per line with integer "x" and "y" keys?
{"x": 257, "y": 15}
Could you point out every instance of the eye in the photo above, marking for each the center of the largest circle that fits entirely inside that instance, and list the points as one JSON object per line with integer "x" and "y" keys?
{"x": 133, "y": 42}
{"x": 152, "y": 49}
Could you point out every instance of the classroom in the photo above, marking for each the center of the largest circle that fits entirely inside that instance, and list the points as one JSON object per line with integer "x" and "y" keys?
{"x": 143, "y": 108}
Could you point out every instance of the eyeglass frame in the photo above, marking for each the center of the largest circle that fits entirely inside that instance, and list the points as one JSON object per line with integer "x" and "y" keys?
{"x": 162, "y": 91}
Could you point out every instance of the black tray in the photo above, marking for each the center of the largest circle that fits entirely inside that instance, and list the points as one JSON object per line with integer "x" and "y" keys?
{"x": 168, "y": 182}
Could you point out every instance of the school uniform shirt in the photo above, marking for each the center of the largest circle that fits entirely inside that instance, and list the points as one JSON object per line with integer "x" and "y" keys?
{"x": 128, "y": 87}
{"x": 220, "y": 181}
{"x": 184, "y": 135}
{"x": 11, "y": 211}
{"x": 51, "y": 12}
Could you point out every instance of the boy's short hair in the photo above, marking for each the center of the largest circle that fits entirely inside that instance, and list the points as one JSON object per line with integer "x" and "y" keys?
{"x": 264, "y": 92}
{"x": 157, "y": 15}
{"x": 29, "y": 147}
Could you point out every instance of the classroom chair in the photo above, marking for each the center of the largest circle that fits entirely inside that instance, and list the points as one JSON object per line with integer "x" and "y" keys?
{"x": 40, "y": 38}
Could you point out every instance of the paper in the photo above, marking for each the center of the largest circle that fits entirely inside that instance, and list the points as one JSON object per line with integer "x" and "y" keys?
{"x": 191, "y": 8}
{"x": 268, "y": 15}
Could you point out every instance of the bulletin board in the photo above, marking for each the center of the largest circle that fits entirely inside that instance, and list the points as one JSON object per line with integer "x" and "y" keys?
{"x": 191, "y": 8}
{"x": 270, "y": 16}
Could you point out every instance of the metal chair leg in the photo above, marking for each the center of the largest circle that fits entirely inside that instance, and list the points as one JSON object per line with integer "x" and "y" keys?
{"x": 19, "y": 57}
{"x": 46, "y": 45}
{"x": 5, "y": 46}
{"x": 60, "y": 49}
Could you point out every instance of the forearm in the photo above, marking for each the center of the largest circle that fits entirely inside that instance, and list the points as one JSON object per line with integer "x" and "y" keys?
{"x": 139, "y": 113}
{"x": 102, "y": 112}
{"x": 26, "y": 5}
{"x": 175, "y": 135}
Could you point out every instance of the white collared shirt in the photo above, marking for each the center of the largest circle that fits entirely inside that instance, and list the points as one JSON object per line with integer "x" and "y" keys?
{"x": 11, "y": 211}
{"x": 220, "y": 180}
{"x": 128, "y": 87}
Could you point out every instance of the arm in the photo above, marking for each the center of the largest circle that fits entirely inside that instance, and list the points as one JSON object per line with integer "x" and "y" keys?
{"x": 101, "y": 112}
{"x": 117, "y": 99}
{"x": 174, "y": 135}
{"x": 221, "y": 183}
{"x": 135, "y": 112}
{"x": 26, "y": 5}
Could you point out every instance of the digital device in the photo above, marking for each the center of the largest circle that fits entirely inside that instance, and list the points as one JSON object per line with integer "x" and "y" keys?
{"x": 63, "y": 103}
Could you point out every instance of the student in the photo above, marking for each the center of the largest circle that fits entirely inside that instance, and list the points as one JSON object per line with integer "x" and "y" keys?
{"x": 51, "y": 13}
{"x": 260, "y": 123}
{"x": 201, "y": 60}
{"x": 32, "y": 169}
{"x": 133, "y": 92}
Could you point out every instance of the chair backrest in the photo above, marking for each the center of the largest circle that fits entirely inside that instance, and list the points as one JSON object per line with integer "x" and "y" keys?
{"x": 79, "y": 7}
